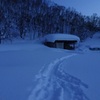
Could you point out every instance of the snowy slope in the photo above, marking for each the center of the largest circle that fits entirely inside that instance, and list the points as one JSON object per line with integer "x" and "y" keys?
{"x": 19, "y": 63}
{"x": 86, "y": 66}
{"x": 32, "y": 71}
{"x": 54, "y": 84}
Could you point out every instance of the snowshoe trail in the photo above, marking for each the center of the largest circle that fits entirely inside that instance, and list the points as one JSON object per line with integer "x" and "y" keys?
{"x": 53, "y": 83}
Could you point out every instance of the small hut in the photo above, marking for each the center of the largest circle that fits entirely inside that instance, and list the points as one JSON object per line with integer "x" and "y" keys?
{"x": 64, "y": 41}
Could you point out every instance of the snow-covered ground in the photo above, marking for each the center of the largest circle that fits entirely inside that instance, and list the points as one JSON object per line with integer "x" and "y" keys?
{"x": 31, "y": 71}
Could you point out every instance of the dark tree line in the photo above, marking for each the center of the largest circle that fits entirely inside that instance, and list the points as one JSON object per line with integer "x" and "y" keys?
{"x": 36, "y": 18}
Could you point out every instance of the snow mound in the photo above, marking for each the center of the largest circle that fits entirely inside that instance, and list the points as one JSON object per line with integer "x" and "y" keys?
{"x": 53, "y": 83}
{"x": 94, "y": 47}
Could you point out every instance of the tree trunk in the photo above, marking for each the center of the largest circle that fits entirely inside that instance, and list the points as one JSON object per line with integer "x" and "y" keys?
{"x": 0, "y": 37}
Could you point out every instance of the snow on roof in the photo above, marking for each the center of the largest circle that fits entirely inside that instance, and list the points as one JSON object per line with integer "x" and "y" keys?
{"x": 59, "y": 36}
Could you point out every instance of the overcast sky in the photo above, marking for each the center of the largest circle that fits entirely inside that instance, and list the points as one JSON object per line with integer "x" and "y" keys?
{"x": 86, "y": 7}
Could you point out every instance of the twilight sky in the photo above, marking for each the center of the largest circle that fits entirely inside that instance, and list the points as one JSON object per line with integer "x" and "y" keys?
{"x": 86, "y": 7}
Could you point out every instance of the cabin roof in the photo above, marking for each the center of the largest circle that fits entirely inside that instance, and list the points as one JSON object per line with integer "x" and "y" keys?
{"x": 61, "y": 37}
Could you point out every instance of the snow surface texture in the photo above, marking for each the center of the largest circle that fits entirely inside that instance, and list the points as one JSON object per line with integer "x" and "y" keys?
{"x": 21, "y": 61}
{"x": 53, "y": 83}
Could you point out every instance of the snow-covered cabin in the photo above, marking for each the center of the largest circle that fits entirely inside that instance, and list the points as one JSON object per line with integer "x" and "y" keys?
{"x": 64, "y": 41}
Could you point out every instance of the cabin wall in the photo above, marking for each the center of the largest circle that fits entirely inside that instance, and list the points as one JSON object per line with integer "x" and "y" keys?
{"x": 59, "y": 45}
{"x": 70, "y": 45}
{"x": 50, "y": 44}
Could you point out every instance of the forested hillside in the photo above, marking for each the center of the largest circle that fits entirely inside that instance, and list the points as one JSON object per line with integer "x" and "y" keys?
{"x": 36, "y": 18}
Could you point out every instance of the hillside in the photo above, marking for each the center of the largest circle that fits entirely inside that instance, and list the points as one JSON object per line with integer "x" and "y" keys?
{"x": 31, "y": 71}
{"x": 33, "y": 19}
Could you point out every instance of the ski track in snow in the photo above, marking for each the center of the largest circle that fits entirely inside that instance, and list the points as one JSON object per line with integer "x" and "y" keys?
{"x": 53, "y": 83}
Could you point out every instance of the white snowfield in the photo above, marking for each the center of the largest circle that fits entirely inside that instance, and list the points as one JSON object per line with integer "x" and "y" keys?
{"x": 31, "y": 71}
{"x": 53, "y": 83}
